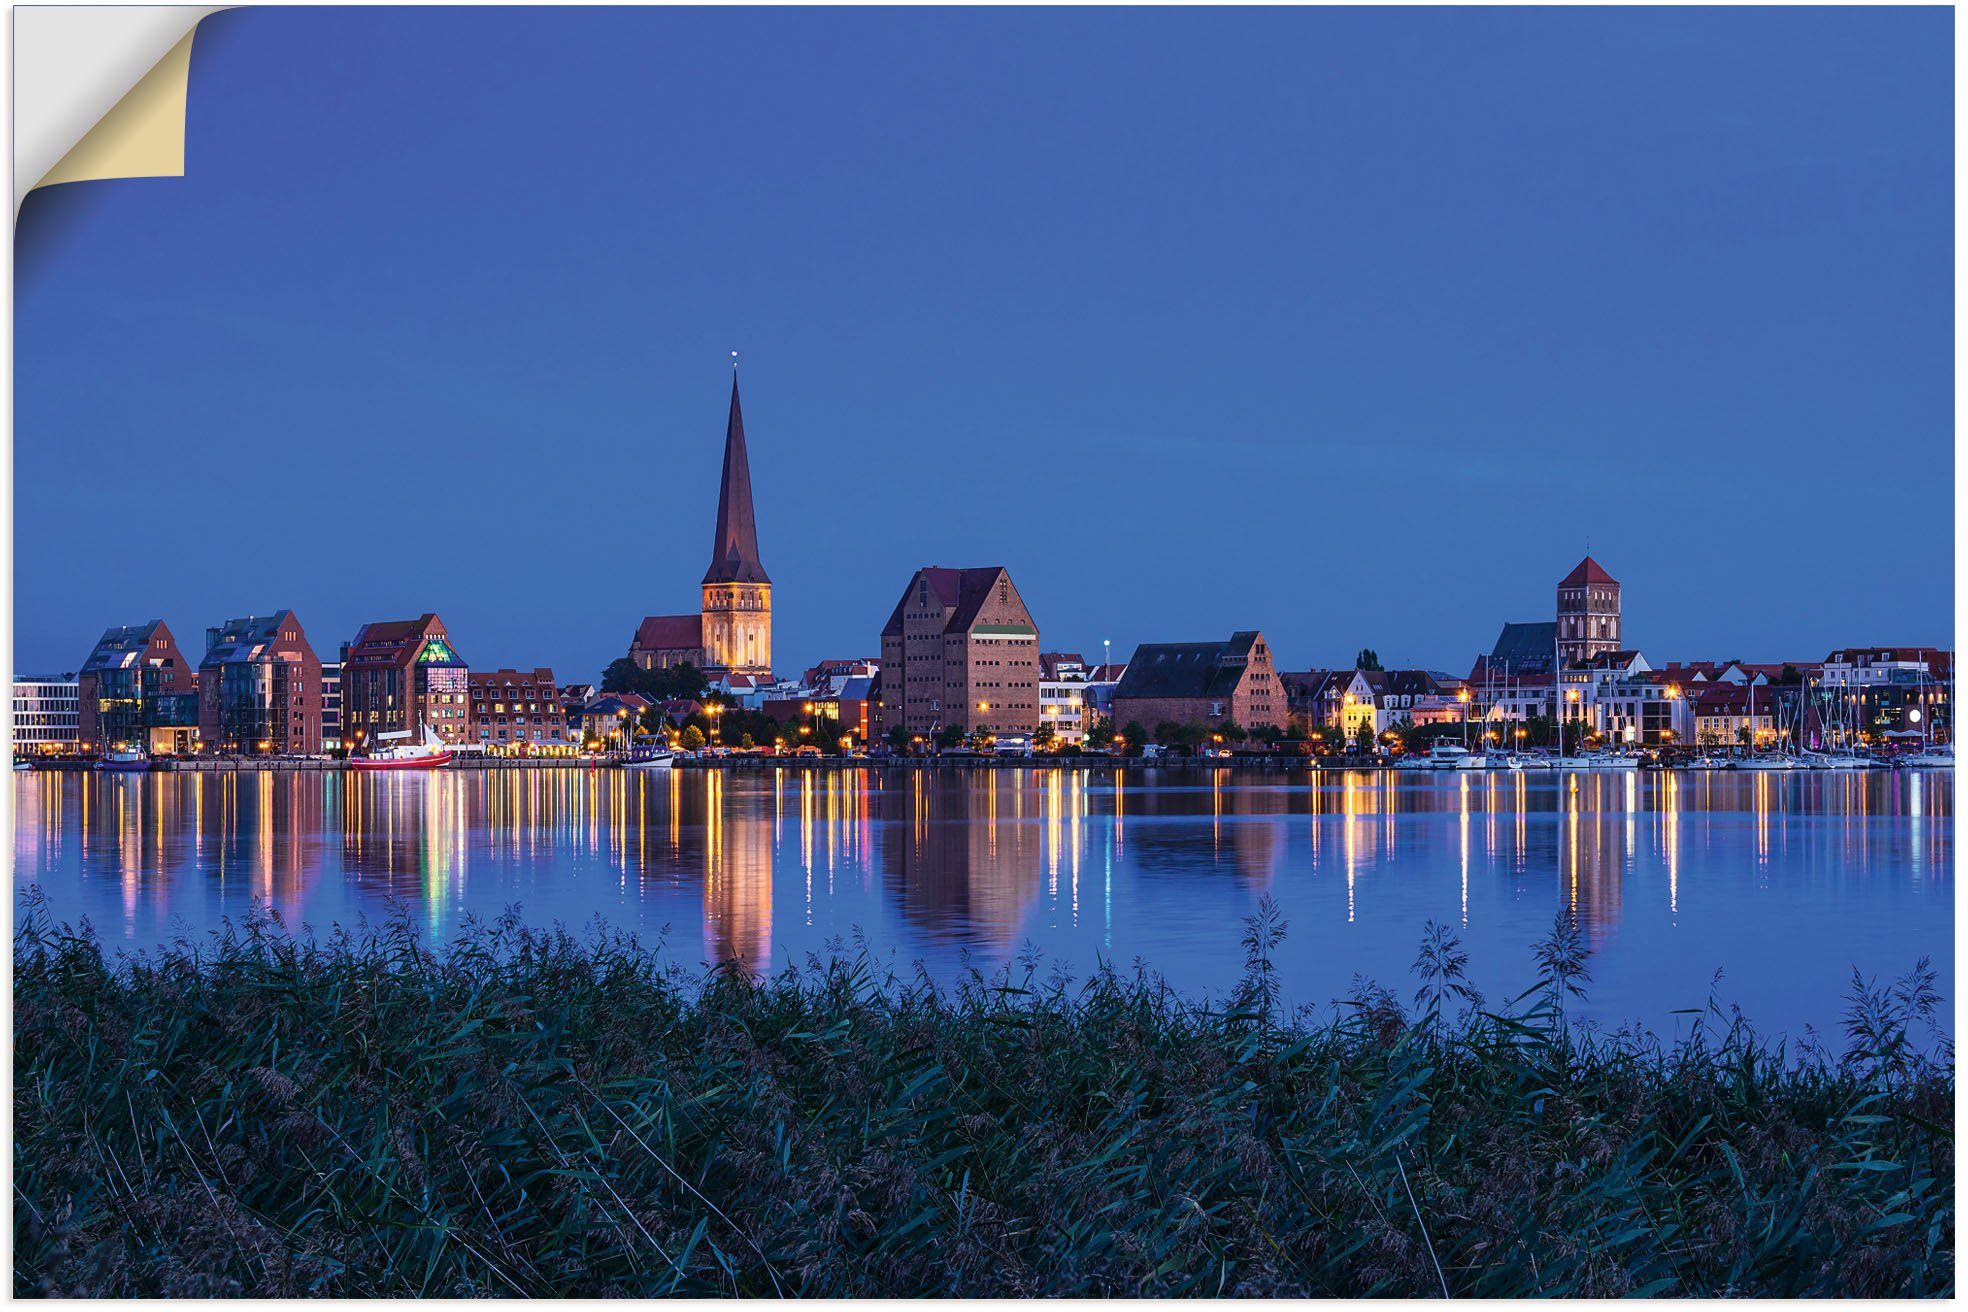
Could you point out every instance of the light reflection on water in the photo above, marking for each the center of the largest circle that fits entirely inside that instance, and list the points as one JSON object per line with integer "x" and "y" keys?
{"x": 1784, "y": 882}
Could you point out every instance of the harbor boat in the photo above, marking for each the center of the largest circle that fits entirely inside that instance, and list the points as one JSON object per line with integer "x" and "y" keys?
{"x": 660, "y": 759}
{"x": 1834, "y": 761}
{"x": 1930, "y": 758}
{"x": 1414, "y": 763}
{"x": 395, "y": 751}
{"x": 1600, "y": 761}
{"x": 1766, "y": 761}
{"x": 1523, "y": 761}
{"x": 22, "y": 763}
{"x": 1448, "y": 756}
{"x": 123, "y": 760}
{"x": 1704, "y": 762}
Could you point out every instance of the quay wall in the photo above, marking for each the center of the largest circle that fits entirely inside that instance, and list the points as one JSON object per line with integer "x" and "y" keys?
{"x": 294, "y": 765}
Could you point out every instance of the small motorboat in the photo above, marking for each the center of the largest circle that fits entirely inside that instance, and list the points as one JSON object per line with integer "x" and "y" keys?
{"x": 1448, "y": 756}
{"x": 1765, "y": 761}
{"x": 123, "y": 760}
{"x": 659, "y": 759}
{"x": 1704, "y": 761}
{"x": 395, "y": 751}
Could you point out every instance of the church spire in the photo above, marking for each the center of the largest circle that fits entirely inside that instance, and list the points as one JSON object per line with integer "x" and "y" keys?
{"x": 734, "y": 553}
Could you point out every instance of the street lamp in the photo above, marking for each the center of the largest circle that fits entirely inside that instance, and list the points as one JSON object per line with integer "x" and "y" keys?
{"x": 1462, "y": 695}
{"x": 1571, "y": 695}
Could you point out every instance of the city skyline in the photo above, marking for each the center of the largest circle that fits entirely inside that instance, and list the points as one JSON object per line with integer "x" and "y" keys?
{"x": 1385, "y": 400}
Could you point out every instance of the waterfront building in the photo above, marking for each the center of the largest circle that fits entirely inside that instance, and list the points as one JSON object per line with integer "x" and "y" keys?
{"x": 47, "y": 718}
{"x": 1883, "y": 694}
{"x": 960, "y": 650}
{"x": 137, "y": 691}
{"x": 1097, "y": 694}
{"x": 610, "y": 719}
{"x": 829, "y": 676}
{"x": 1733, "y": 714}
{"x": 1311, "y": 698}
{"x": 331, "y": 706}
{"x": 1062, "y": 695}
{"x": 518, "y": 713}
{"x": 1202, "y": 683}
{"x": 399, "y": 675}
{"x": 1423, "y": 697}
{"x": 732, "y": 630}
{"x": 259, "y": 688}
{"x": 1588, "y": 613}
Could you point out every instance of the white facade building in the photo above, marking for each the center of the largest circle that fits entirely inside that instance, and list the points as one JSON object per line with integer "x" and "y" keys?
{"x": 47, "y": 715}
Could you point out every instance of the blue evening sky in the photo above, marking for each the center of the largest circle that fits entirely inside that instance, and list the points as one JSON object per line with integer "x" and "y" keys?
{"x": 1351, "y": 325}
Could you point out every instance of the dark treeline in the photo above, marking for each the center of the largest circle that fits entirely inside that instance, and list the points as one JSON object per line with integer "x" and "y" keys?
{"x": 530, "y": 1114}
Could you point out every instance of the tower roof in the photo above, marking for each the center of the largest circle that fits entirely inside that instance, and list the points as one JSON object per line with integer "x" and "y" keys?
{"x": 1587, "y": 571}
{"x": 734, "y": 552}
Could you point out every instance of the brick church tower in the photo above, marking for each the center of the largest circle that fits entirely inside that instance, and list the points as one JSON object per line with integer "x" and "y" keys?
{"x": 737, "y": 610}
{"x": 1588, "y": 613}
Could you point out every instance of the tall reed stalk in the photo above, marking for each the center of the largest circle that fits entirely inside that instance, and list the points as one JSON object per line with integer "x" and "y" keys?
{"x": 530, "y": 1114}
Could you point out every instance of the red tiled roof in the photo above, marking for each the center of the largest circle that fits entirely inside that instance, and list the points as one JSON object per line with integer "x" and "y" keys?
{"x": 669, "y": 633}
{"x": 383, "y": 641}
{"x": 1587, "y": 571}
{"x": 964, "y": 590}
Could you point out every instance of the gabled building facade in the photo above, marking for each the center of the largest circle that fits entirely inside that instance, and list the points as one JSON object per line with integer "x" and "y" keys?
{"x": 960, "y": 650}
{"x": 399, "y": 675}
{"x": 260, "y": 688}
{"x": 1202, "y": 683}
{"x": 136, "y": 691}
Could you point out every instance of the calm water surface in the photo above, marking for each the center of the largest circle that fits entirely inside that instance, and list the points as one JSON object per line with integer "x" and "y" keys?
{"x": 1783, "y": 883}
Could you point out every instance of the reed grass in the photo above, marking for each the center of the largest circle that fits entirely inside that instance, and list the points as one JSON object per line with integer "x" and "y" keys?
{"x": 528, "y": 1113}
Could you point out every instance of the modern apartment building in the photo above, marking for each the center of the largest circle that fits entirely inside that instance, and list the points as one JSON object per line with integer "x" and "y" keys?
{"x": 259, "y": 688}
{"x": 331, "y": 706}
{"x": 136, "y": 691}
{"x": 401, "y": 675}
{"x": 518, "y": 713}
{"x": 46, "y": 715}
{"x": 960, "y": 650}
{"x": 1062, "y": 695}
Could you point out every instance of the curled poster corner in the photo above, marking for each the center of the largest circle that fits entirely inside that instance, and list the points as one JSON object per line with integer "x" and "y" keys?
{"x": 99, "y": 92}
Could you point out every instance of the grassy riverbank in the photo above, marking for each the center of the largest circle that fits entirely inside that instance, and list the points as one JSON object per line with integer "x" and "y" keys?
{"x": 529, "y": 1114}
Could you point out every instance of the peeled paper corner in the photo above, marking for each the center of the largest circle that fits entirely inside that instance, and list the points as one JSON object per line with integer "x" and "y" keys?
{"x": 99, "y": 92}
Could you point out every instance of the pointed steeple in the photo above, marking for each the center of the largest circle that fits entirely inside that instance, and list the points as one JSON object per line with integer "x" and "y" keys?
{"x": 734, "y": 553}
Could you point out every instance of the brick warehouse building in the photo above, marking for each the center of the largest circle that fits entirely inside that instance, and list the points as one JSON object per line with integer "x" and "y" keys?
{"x": 402, "y": 674}
{"x": 259, "y": 688}
{"x": 518, "y": 713}
{"x": 136, "y": 690}
{"x": 732, "y": 631}
{"x": 960, "y": 649}
{"x": 1202, "y": 683}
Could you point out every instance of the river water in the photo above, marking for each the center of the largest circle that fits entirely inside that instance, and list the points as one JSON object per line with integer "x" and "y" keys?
{"x": 1783, "y": 883}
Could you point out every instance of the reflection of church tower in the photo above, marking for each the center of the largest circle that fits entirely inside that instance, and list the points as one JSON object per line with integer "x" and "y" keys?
{"x": 737, "y": 611}
{"x": 737, "y": 881}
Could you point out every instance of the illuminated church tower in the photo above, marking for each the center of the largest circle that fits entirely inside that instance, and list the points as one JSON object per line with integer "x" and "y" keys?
{"x": 737, "y": 609}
